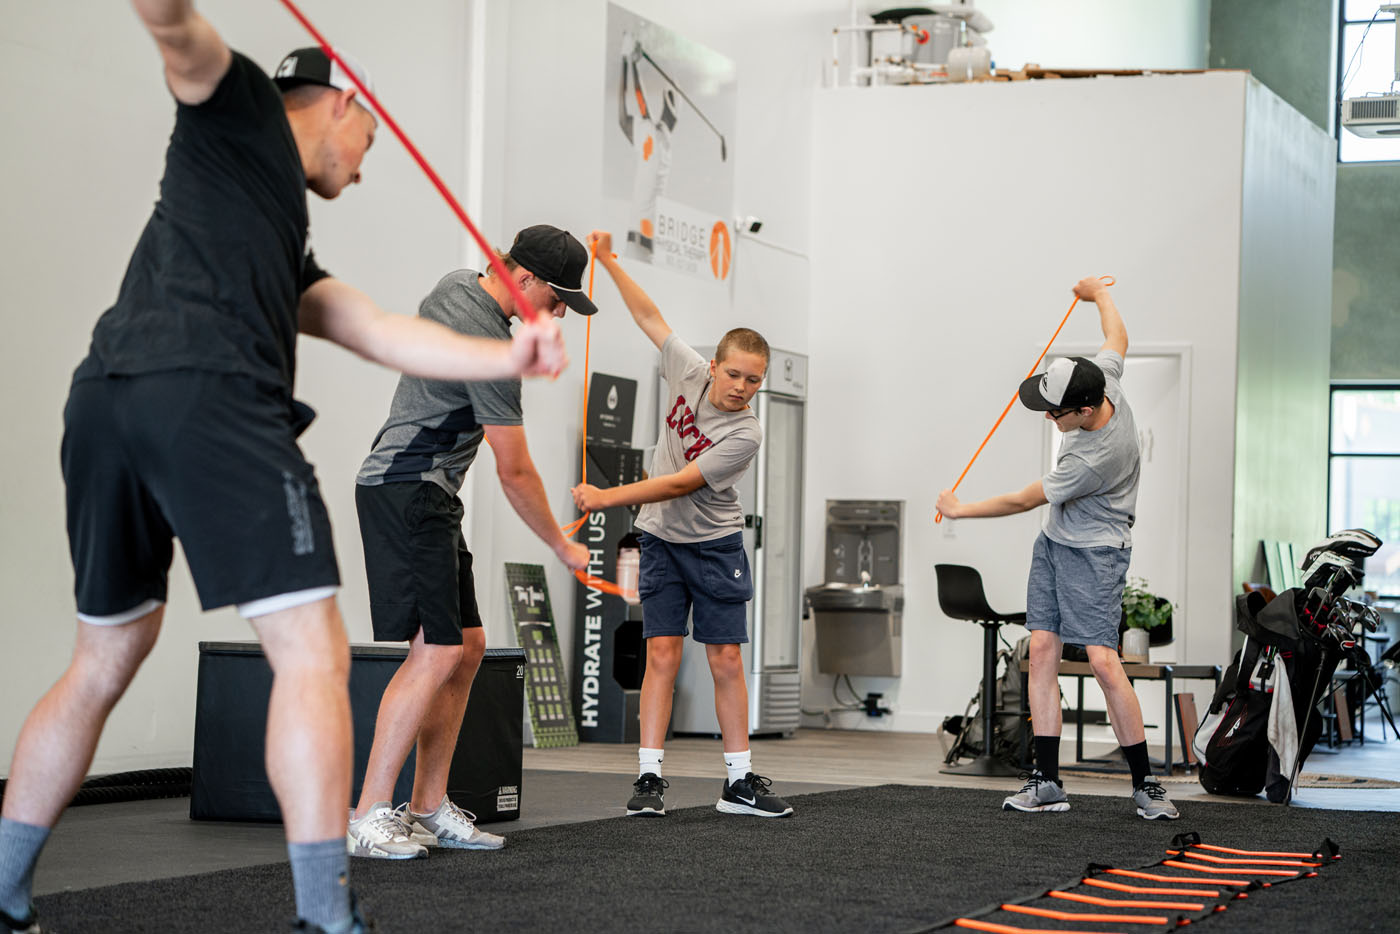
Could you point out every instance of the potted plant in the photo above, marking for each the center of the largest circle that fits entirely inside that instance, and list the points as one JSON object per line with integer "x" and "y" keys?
{"x": 1142, "y": 610}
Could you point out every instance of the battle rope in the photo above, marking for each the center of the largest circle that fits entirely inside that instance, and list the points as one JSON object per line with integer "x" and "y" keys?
{"x": 521, "y": 303}
{"x": 938, "y": 516}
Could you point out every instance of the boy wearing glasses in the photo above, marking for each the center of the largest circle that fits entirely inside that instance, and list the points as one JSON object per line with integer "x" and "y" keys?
{"x": 1080, "y": 561}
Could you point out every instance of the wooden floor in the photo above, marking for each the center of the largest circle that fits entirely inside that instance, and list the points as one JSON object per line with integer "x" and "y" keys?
{"x": 858, "y": 758}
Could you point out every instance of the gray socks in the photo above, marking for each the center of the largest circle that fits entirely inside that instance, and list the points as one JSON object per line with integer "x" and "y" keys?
{"x": 19, "y": 851}
{"x": 321, "y": 875}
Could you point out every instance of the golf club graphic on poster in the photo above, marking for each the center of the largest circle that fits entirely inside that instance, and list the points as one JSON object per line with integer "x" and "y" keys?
{"x": 668, "y": 147}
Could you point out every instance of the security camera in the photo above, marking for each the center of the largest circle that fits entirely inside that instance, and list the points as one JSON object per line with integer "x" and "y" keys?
{"x": 748, "y": 224}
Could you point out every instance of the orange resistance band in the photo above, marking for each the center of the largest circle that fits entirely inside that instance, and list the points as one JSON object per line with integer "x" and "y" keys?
{"x": 938, "y": 516}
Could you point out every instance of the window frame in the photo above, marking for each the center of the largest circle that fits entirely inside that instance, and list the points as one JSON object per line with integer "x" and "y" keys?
{"x": 1337, "y": 77}
{"x": 1354, "y": 386}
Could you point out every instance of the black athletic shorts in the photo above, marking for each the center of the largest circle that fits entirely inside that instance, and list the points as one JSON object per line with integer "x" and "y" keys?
{"x": 417, "y": 563}
{"x": 209, "y": 458}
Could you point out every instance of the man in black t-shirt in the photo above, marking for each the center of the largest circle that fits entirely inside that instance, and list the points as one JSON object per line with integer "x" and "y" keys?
{"x": 180, "y": 423}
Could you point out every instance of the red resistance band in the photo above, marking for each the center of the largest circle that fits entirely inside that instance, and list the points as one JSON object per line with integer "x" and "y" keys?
{"x": 526, "y": 310}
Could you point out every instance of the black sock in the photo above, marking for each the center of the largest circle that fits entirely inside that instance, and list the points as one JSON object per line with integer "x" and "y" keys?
{"x": 1047, "y": 757}
{"x": 1136, "y": 755}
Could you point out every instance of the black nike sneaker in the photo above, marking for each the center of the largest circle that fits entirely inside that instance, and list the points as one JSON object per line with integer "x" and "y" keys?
{"x": 749, "y": 795}
{"x": 647, "y": 800}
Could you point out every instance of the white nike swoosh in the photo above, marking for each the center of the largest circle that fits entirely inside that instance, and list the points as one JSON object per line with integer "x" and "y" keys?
{"x": 747, "y": 800}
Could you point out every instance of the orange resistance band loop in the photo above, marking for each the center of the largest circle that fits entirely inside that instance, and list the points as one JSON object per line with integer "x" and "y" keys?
{"x": 1151, "y": 890}
{"x": 1226, "y": 849}
{"x": 1124, "y": 902}
{"x": 1131, "y": 874}
{"x": 1007, "y": 928}
{"x": 1084, "y": 916}
{"x": 938, "y": 516}
{"x": 1240, "y": 862}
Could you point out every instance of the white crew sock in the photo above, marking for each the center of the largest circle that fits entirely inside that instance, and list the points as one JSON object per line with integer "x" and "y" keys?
{"x": 650, "y": 760}
{"x": 738, "y": 764}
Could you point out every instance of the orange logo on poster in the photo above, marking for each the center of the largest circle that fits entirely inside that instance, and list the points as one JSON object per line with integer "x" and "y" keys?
{"x": 720, "y": 250}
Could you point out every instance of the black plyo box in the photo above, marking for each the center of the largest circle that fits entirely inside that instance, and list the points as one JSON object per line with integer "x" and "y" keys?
{"x": 230, "y": 778}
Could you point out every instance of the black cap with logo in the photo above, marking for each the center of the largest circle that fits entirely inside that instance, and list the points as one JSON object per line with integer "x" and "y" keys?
{"x": 558, "y": 258}
{"x": 1068, "y": 383}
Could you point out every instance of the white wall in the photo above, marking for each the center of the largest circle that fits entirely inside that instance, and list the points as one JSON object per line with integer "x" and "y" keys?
{"x": 84, "y": 157}
{"x": 930, "y": 305}
{"x": 1098, "y": 33}
{"x": 1285, "y": 330}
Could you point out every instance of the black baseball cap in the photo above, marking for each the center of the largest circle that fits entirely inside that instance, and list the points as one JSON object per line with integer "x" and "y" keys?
{"x": 1068, "y": 383}
{"x": 558, "y": 258}
{"x": 312, "y": 65}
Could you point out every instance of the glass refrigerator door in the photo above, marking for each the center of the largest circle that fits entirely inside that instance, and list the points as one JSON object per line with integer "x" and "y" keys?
{"x": 782, "y": 533}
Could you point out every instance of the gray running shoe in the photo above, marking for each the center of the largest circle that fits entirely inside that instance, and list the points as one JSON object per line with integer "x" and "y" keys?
{"x": 1038, "y": 794}
{"x": 453, "y": 827}
{"x": 1152, "y": 801}
{"x": 649, "y": 796}
{"x": 382, "y": 834}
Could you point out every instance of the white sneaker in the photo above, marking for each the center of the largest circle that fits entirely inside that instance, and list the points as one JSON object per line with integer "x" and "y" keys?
{"x": 382, "y": 834}
{"x": 453, "y": 827}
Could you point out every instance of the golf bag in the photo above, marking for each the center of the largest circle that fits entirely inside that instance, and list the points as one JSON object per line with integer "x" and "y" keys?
{"x": 1006, "y": 722}
{"x": 1264, "y": 719}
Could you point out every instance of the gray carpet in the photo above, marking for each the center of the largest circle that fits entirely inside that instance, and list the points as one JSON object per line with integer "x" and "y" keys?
{"x": 892, "y": 858}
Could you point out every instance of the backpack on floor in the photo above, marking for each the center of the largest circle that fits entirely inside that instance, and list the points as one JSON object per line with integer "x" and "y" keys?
{"x": 1007, "y": 724}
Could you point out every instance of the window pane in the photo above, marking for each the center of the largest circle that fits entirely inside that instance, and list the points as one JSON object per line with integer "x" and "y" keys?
{"x": 1364, "y": 10}
{"x": 1366, "y": 421}
{"x": 1371, "y": 71}
{"x": 1366, "y": 495}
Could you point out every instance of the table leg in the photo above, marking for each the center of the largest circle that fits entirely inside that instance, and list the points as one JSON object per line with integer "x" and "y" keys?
{"x": 1168, "y": 721}
{"x": 1025, "y": 721}
{"x": 1079, "y": 723}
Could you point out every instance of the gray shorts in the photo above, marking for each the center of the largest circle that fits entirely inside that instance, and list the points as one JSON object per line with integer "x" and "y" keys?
{"x": 1077, "y": 593}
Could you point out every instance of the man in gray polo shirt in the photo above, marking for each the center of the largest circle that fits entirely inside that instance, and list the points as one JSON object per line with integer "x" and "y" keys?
{"x": 421, "y": 587}
{"x": 1080, "y": 561}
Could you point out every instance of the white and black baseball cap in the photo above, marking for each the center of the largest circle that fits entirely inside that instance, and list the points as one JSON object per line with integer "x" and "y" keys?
{"x": 1068, "y": 383}
{"x": 312, "y": 65}
{"x": 558, "y": 258}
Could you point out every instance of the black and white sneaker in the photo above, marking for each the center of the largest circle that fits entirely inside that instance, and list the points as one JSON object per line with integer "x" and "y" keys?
{"x": 749, "y": 795}
{"x": 17, "y": 926}
{"x": 647, "y": 799}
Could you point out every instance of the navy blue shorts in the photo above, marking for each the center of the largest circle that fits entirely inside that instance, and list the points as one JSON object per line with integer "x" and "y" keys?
{"x": 712, "y": 576}
{"x": 1077, "y": 593}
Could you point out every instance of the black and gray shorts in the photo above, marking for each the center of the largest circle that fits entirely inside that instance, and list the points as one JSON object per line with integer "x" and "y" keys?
{"x": 209, "y": 458}
{"x": 417, "y": 562}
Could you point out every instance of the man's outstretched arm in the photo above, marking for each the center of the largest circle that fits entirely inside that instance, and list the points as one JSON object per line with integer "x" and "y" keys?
{"x": 1114, "y": 331}
{"x": 523, "y": 487}
{"x": 346, "y": 316}
{"x": 1007, "y": 504}
{"x": 194, "y": 54}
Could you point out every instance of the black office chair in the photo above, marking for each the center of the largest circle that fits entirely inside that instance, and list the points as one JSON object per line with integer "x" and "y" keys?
{"x": 960, "y": 595}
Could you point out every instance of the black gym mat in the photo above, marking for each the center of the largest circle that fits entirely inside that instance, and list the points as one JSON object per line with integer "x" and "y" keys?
{"x": 892, "y": 858}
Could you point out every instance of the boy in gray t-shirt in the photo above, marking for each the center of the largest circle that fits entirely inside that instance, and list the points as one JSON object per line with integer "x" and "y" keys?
{"x": 691, "y": 531}
{"x": 1080, "y": 560}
